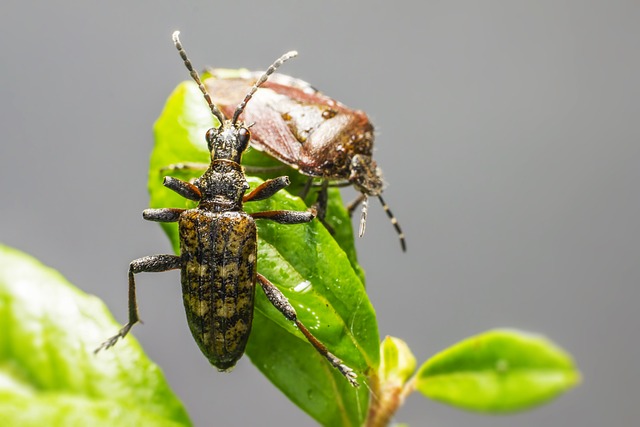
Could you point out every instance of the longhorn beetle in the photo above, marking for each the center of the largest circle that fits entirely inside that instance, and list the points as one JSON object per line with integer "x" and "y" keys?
{"x": 218, "y": 244}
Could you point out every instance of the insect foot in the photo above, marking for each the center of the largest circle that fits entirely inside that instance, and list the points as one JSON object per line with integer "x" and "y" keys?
{"x": 114, "y": 339}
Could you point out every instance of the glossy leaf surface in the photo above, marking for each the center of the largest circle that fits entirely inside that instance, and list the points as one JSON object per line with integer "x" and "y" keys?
{"x": 49, "y": 375}
{"x": 498, "y": 371}
{"x": 304, "y": 261}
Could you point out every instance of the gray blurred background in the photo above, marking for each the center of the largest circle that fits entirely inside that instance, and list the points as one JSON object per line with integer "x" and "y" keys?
{"x": 508, "y": 133}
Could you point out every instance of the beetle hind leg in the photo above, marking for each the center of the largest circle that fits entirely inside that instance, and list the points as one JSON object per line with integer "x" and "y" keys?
{"x": 148, "y": 264}
{"x": 283, "y": 305}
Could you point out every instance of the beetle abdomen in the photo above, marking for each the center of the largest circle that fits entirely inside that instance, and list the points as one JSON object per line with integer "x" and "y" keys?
{"x": 218, "y": 281}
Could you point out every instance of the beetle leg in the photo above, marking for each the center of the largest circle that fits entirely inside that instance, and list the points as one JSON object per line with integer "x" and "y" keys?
{"x": 267, "y": 189}
{"x": 286, "y": 217}
{"x": 162, "y": 215}
{"x": 321, "y": 204}
{"x": 283, "y": 305}
{"x": 183, "y": 188}
{"x": 351, "y": 207}
{"x": 305, "y": 190}
{"x": 322, "y": 200}
{"x": 148, "y": 264}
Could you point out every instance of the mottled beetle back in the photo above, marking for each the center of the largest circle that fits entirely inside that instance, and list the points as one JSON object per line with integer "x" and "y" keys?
{"x": 218, "y": 281}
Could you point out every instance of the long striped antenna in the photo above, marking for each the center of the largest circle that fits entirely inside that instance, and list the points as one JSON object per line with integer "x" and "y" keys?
{"x": 261, "y": 80}
{"x": 395, "y": 223}
{"x": 194, "y": 75}
{"x": 364, "y": 200}
{"x": 363, "y": 216}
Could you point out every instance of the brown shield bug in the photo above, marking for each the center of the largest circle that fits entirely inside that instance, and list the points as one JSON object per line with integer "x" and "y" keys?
{"x": 218, "y": 243}
{"x": 309, "y": 131}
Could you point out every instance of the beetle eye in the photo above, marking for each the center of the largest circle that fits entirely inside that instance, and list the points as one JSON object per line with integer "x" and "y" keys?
{"x": 211, "y": 135}
{"x": 243, "y": 138}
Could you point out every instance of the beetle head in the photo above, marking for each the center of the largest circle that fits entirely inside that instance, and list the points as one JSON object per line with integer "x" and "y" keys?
{"x": 228, "y": 141}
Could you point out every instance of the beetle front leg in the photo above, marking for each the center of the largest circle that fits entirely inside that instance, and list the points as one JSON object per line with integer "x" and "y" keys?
{"x": 162, "y": 214}
{"x": 267, "y": 189}
{"x": 183, "y": 188}
{"x": 148, "y": 264}
{"x": 283, "y": 305}
{"x": 287, "y": 217}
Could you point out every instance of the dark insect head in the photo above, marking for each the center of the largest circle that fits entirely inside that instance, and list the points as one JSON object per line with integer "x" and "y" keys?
{"x": 228, "y": 141}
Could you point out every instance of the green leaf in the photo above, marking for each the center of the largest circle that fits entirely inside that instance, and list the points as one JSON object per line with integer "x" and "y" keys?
{"x": 498, "y": 371}
{"x": 304, "y": 261}
{"x": 397, "y": 362}
{"x": 338, "y": 217}
{"x": 49, "y": 374}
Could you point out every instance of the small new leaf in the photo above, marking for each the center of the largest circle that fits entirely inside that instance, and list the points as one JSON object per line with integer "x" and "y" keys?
{"x": 397, "y": 362}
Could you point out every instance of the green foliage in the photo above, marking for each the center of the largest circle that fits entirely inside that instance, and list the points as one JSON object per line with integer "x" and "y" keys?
{"x": 317, "y": 273}
{"x": 495, "y": 372}
{"x": 49, "y": 374}
{"x": 498, "y": 371}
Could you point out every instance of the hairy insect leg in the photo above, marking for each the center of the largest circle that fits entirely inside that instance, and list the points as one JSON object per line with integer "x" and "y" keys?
{"x": 305, "y": 190}
{"x": 148, "y": 264}
{"x": 351, "y": 207}
{"x": 321, "y": 205}
{"x": 321, "y": 202}
{"x": 272, "y": 186}
{"x": 267, "y": 189}
{"x": 283, "y": 305}
{"x": 162, "y": 215}
{"x": 287, "y": 217}
{"x": 183, "y": 188}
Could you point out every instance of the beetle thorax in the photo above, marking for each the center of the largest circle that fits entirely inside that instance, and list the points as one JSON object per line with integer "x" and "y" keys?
{"x": 223, "y": 185}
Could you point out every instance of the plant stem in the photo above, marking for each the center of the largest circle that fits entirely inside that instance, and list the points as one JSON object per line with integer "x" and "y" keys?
{"x": 385, "y": 401}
